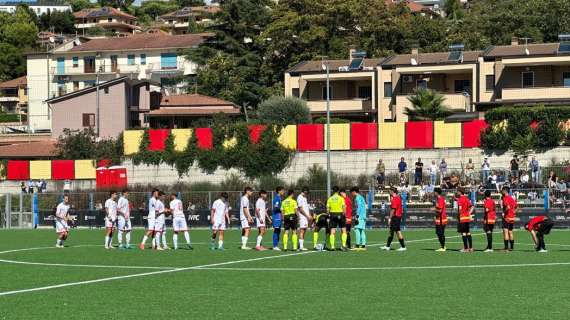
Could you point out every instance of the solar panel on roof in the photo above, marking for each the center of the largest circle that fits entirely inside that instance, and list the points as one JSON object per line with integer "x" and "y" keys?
{"x": 356, "y": 64}
{"x": 564, "y": 47}
{"x": 455, "y": 56}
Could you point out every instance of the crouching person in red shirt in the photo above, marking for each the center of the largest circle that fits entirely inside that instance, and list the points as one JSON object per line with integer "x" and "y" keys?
{"x": 538, "y": 227}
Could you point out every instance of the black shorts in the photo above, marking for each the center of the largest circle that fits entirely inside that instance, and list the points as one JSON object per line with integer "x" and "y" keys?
{"x": 545, "y": 227}
{"x": 395, "y": 224}
{"x": 322, "y": 221}
{"x": 463, "y": 227}
{"x": 290, "y": 222}
{"x": 507, "y": 225}
{"x": 336, "y": 221}
{"x": 440, "y": 229}
{"x": 487, "y": 227}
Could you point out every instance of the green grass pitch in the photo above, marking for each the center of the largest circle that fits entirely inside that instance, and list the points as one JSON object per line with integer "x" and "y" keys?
{"x": 85, "y": 281}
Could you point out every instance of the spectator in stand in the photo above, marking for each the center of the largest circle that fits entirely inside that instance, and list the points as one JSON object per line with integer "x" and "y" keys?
{"x": 524, "y": 178}
{"x": 432, "y": 172}
{"x": 67, "y": 186}
{"x": 515, "y": 167}
{"x": 470, "y": 171}
{"x": 552, "y": 180}
{"x": 523, "y": 164}
{"x": 43, "y": 185}
{"x": 486, "y": 169}
{"x": 38, "y": 185}
{"x": 380, "y": 173}
{"x": 419, "y": 172}
{"x": 493, "y": 179}
{"x": 23, "y": 186}
{"x": 406, "y": 191}
{"x": 442, "y": 170}
{"x": 535, "y": 170}
{"x": 402, "y": 166}
{"x": 428, "y": 191}
{"x": 500, "y": 182}
{"x": 31, "y": 186}
{"x": 562, "y": 190}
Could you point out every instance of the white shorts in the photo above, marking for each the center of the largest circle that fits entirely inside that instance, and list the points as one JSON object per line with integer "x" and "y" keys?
{"x": 123, "y": 224}
{"x": 260, "y": 222}
{"x": 244, "y": 224}
{"x": 150, "y": 223}
{"x": 109, "y": 223}
{"x": 159, "y": 225}
{"x": 179, "y": 224}
{"x": 61, "y": 226}
{"x": 219, "y": 224}
{"x": 303, "y": 222}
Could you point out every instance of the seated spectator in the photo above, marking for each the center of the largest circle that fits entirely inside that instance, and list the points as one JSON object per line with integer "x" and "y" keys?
{"x": 500, "y": 181}
{"x": 454, "y": 180}
{"x": 525, "y": 178}
{"x": 380, "y": 173}
{"x": 552, "y": 180}
{"x": 562, "y": 190}
{"x": 428, "y": 191}
{"x": 403, "y": 179}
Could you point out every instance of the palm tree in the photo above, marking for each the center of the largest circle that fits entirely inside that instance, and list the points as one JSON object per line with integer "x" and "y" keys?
{"x": 427, "y": 105}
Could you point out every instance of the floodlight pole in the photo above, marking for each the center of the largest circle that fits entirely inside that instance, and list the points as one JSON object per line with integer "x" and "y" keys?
{"x": 326, "y": 64}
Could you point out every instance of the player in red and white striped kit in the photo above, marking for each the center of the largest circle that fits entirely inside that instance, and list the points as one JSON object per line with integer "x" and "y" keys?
{"x": 178, "y": 221}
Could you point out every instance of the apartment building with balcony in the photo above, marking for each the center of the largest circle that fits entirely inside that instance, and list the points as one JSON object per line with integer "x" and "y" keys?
{"x": 178, "y": 22}
{"x": 107, "y": 18}
{"x": 74, "y": 66}
{"x": 14, "y": 95}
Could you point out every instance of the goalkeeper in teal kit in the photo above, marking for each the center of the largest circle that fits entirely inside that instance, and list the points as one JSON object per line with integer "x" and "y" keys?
{"x": 360, "y": 217}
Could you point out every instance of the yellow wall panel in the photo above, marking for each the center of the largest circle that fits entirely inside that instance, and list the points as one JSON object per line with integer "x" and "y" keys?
{"x": 131, "y": 141}
{"x": 288, "y": 137}
{"x": 181, "y": 137}
{"x": 447, "y": 135}
{"x": 391, "y": 135}
{"x": 40, "y": 169}
{"x": 85, "y": 169}
{"x": 340, "y": 136}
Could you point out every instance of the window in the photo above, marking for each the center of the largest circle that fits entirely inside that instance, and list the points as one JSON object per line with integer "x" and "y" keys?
{"x": 490, "y": 82}
{"x": 295, "y": 92}
{"x": 114, "y": 63}
{"x": 462, "y": 86}
{"x": 566, "y": 79}
{"x": 75, "y": 85}
{"x": 75, "y": 62}
{"x": 365, "y": 92}
{"x": 387, "y": 89}
{"x": 143, "y": 59}
{"x": 89, "y": 83}
{"x": 106, "y": 90}
{"x": 88, "y": 120}
{"x": 168, "y": 60}
{"x": 421, "y": 83}
{"x": 131, "y": 59}
{"x": 324, "y": 93}
{"x": 528, "y": 79}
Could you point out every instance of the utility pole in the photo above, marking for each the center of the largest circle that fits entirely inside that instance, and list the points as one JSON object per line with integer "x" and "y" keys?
{"x": 326, "y": 67}
{"x": 97, "y": 103}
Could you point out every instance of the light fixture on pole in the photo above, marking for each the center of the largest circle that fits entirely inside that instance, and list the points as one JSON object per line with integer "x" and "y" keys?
{"x": 326, "y": 67}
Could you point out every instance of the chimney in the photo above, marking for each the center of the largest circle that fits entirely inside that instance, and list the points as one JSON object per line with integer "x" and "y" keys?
{"x": 514, "y": 41}
{"x": 415, "y": 51}
{"x": 351, "y": 52}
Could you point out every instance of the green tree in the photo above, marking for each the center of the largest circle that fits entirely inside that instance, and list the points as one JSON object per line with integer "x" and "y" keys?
{"x": 189, "y": 3}
{"x": 58, "y": 21}
{"x": 155, "y": 8}
{"x": 78, "y": 5}
{"x": 427, "y": 105}
{"x": 120, "y": 4}
{"x": 12, "y": 62}
{"x": 284, "y": 110}
{"x": 549, "y": 134}
{"x": 453, "y": 9}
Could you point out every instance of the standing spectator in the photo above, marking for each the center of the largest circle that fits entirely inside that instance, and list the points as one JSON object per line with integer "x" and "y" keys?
{"x": 31, "y": 186}
{"x": 419, "y": 172}
{"x": 23, "y": 186}
{"x": 432, "y": 172}
{"x": 442, "y": 170}
{"x": 486, "y": 169}
{"x": 523, "y": 164}
{"x": 380, "y": 173}
{"x": 402, "y": 166}
{"x": 552, "y": 180}
{"x": 43, "y": 185}
{"x": 562, "y": 190}
{"x": 515, "y": 167}
{"x": 470, "y": 171}
{"x": 534, "y": 168}
{"x": 38, "y": 186}
{"x": 67, "y": 186}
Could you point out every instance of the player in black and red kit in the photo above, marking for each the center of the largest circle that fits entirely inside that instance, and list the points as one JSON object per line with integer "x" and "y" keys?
{"x": 538, "y": 227}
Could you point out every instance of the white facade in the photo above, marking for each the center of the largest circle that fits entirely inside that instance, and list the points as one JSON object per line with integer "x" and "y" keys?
{"x": 39, "y": 10}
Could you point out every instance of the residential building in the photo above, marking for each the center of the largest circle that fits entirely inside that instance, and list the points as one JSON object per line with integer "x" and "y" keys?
{"x": 108, "y": 109}
{"x": 110, "y": 19}
{"x": 14, "y": 95}
{"x": 180, "y": 21}
{"x": 180, "y": 111}
{"x": 76, "y": 65}
{"x": 415, "y": 8}
{"x": 39, "y": 7}
{"x": 470, "y": 81}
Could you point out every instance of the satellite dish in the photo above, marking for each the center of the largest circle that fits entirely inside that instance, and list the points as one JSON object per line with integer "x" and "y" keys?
{"x": 51, "y": 39}
{"x": 413, "y": 62}
{"x": 76, "y": 42}
{"x": 526, "y": 51}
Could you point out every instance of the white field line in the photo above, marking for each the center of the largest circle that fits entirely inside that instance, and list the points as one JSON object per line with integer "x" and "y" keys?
{"x": 137, "y": 275}
{"x": 82, "y": 265}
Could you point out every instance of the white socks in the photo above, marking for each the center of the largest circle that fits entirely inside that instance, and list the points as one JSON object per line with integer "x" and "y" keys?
{"x": 120, "y": 237}
{"x": 301, "y": 242}
{"x": 164, "y": 244}
{"x": 187, "y": 237}
{"x": 258, "y": 243}
{"x": 220, "y": 243}
{"x": 243, "y": 241}
{"x": 128, "y": 238}
{"x": 108, "y": 241}
{"x": 59, "y": 242}
{"x": 145, "y": 238}
{"x": 175, "y": 240}
{"x": 157, "y": 240}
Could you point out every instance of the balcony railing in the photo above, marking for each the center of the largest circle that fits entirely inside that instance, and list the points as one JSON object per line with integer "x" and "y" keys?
{"x": 341, "y": 105}
{"x": 454, "y": 101}
{"x": 536, "y": 93}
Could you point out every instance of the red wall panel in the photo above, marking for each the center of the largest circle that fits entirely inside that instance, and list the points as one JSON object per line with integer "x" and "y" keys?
{"x": 104, "y": 163}
{"x": 363, "y": 136}
{"x": 255, "y": 132}
{"x": 310, "y": 137}
{"x": 63, "y": 169}
{"x": 205, "y": 138}
{"x": 18, "y": 170}
{"x": 157, "y": 137}
{"x": 472, "y": 133}
{"x": 419, "y": 135}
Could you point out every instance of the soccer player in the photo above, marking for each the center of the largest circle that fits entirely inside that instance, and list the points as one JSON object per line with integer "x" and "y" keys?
{"x": 320, "y": 221}
{"x": 440, "y": 218}
{"x": 509, "y": 213}
{"x": 110, "y": 218}
{"x": 277, "y": 216}
{"x": 124, "y": 220}
{"x": 245, "y": 217}
{"x": 61, "y": 217}
{"x": 220, "y": 218}
{"x": 289, "y": 209}
{"x": 304, "y": 216}
{"x": 151, "y": 219}
{"x": 489, "y": 218}
{"x": 178, "y": 222}
{"x": 360, "y": 225}
{"x": 465, "y": 211}
{"x": 538, "y": 227}
{"x": 394, "y": 221}
{"x": 336, "y": 208}
{"x": 261, "y": 217}
{"x": 159, "y": 223}
{"x": 347, "y": 217}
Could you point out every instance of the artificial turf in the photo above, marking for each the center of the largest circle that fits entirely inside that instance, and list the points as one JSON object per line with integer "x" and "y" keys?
{"x": 236, "y": 284}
